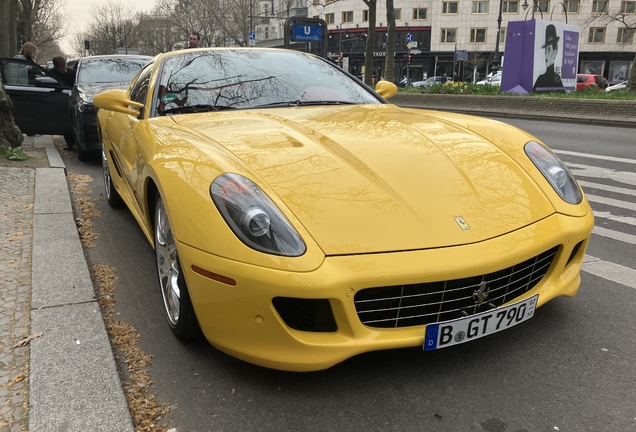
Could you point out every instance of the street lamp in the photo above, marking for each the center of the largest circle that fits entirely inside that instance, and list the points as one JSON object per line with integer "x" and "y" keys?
{"x": 496, "y": 61}
{"x": 525, "y": 6}
{"x": 565, "y": 11}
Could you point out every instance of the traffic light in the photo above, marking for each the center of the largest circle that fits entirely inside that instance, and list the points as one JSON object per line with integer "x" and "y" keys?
{"x": 410, "y": 59}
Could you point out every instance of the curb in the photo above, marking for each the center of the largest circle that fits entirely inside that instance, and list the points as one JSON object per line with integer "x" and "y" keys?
{"x": 74, "y": 383}
{"x": 602, "y": 112}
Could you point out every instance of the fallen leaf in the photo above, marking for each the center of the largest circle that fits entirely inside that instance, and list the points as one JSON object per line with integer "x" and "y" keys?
{"x": 17, "y": 379}
{"x": 27, "y": 339}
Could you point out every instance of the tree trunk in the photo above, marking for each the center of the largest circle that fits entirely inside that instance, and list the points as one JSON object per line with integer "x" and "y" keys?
{"x": 631, "y": 81}
{"x": 13, "y": 28}
{"x": 10, "y": 135}
{"x": 368, "y": 59}
{"x": 389, "y": 65}
{"x": 4, "y": 28}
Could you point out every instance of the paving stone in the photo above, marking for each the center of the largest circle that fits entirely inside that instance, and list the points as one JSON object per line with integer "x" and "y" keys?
{"x": 17, "y": 188}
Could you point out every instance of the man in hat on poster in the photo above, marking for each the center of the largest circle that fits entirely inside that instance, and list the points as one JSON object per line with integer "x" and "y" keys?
{"x": 549, "y": 79}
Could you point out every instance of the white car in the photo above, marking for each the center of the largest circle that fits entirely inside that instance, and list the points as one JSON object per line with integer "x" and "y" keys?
{"x": 493, "y": 80}
{"x": 427, "y": 82}
{"x": 619, "y": 86}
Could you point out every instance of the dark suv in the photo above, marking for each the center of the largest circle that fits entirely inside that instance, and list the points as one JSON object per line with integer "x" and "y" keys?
{"x": 94, "y": 75}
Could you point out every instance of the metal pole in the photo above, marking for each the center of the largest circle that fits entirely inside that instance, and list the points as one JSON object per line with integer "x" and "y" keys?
{"x": 495, "y": 61}
{"x": 534, "y": 6}
{"x": 251, "y": 29}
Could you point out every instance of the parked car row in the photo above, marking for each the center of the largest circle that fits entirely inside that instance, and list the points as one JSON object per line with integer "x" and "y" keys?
{"x": 44, "y": 105}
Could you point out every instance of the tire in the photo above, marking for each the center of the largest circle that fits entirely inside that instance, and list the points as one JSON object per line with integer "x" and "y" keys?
{"x": 112, "y": 196}
{"x": 82, "y": 155}
{"x": 174, "y": 291}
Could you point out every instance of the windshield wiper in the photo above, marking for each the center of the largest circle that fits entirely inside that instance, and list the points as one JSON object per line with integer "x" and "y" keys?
{"x": 198, "y": 108}
{"x": 302, "y": 103}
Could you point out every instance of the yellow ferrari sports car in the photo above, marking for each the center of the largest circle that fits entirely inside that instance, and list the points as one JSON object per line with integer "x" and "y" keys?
{"x": 299, "y": 219}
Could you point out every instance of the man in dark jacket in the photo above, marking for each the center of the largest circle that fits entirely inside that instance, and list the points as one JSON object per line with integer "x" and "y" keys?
{"x": 62, "y": 73}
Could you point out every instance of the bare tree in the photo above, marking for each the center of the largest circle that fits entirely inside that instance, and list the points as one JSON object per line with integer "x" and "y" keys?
{"x": 201, "y": 16}
{"x": 8, "y": 27}
{"x": 389, "y": 65}
{"x": 52, "y": 24}
{"x": 112, "y": 25}
{"x": 626, "y": 21}
{"x": 39, "y": 21}
{"x": 233, "y": 22}
{"x": 157, "y": 34}
{"x": 368, "y": 60}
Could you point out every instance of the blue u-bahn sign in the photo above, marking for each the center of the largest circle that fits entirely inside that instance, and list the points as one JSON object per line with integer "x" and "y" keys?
{"x": 307, "y": 33}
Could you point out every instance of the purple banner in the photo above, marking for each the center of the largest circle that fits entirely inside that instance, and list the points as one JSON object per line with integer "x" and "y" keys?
{"x": 540, "y": 56}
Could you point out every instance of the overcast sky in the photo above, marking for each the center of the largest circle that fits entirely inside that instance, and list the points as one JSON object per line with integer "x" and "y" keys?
{"x": 79, "y": 10}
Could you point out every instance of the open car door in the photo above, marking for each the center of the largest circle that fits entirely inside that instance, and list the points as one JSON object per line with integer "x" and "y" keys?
{"x": 40, "y": 102}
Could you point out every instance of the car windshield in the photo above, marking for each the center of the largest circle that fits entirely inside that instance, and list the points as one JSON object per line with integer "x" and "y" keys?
{"x": 243, "y": 78}
{"x": 109, "y": 70}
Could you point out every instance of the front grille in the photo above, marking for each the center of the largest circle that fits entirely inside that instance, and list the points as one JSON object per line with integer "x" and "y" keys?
{"x": 425, "y": 303}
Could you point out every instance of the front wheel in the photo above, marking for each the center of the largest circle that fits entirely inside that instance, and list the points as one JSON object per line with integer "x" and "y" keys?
{"x": 176, "y": 299}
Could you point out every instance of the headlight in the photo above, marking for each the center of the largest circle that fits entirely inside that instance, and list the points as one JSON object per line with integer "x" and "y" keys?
{"x": 253, "y": 217}
{"x": 555, "y": 171}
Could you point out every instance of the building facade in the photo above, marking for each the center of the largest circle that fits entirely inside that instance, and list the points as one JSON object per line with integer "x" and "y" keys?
{"x": 430, "y": 33}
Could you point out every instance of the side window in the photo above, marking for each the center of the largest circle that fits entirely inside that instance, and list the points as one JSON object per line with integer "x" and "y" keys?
{"x": 20, "y": 72}
{"x": 139, "y": 89}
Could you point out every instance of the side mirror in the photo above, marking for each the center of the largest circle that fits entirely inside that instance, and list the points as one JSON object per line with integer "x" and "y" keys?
{"x": 116, "y": 100}
{"x": 386, "y": 89}
{"x": 46, "y": 81}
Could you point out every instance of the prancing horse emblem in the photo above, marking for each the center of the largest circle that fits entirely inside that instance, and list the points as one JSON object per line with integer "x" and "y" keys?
{"x": 461, "y": 222}
{"x": 481, "y": 294}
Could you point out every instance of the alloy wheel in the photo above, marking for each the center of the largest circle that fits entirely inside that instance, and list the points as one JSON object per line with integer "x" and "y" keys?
{"x": 167, "y": 264}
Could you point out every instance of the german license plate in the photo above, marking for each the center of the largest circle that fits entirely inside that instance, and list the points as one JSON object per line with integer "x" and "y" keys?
{"x": 457, "y": 331}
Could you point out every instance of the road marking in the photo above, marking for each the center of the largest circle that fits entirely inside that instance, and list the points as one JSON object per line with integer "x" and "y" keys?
{"x": 594, "y": 156}
{"x": 616, "y": 235}
{"x": 579, "y": 170}
{"x": 610, "y": 271}
{"x": 611, "y": 202}
{"x": 607, "y": 188}
{"x": 622, "y": 219}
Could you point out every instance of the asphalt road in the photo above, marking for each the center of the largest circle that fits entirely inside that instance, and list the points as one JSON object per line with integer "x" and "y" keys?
{"x": 570, "y": 368}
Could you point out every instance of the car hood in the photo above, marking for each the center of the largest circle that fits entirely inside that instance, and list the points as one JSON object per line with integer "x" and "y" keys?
{"x": 89, "y": 90}
{"x": 378, "y": 178}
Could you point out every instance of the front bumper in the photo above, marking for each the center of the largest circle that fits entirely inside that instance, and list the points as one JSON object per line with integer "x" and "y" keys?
{"x": 88, "y": 128}
{"x": 242, "y": 320}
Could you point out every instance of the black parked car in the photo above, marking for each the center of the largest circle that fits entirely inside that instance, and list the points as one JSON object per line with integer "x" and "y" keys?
{"x": 40, "y": 102}
{"x": 44, "y": 105}
{"x": 94, "y": 75}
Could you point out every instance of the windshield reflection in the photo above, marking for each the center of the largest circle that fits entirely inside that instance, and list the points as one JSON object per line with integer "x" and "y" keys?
{"x": 214, "y": 80}
{"x": 109, "y": 70}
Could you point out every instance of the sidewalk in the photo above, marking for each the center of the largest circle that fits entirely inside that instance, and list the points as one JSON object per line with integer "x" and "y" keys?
{"x": 65, "y": 378}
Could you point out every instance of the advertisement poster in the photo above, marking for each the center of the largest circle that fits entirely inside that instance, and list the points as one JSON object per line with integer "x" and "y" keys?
{"x": 541, "y": 56}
